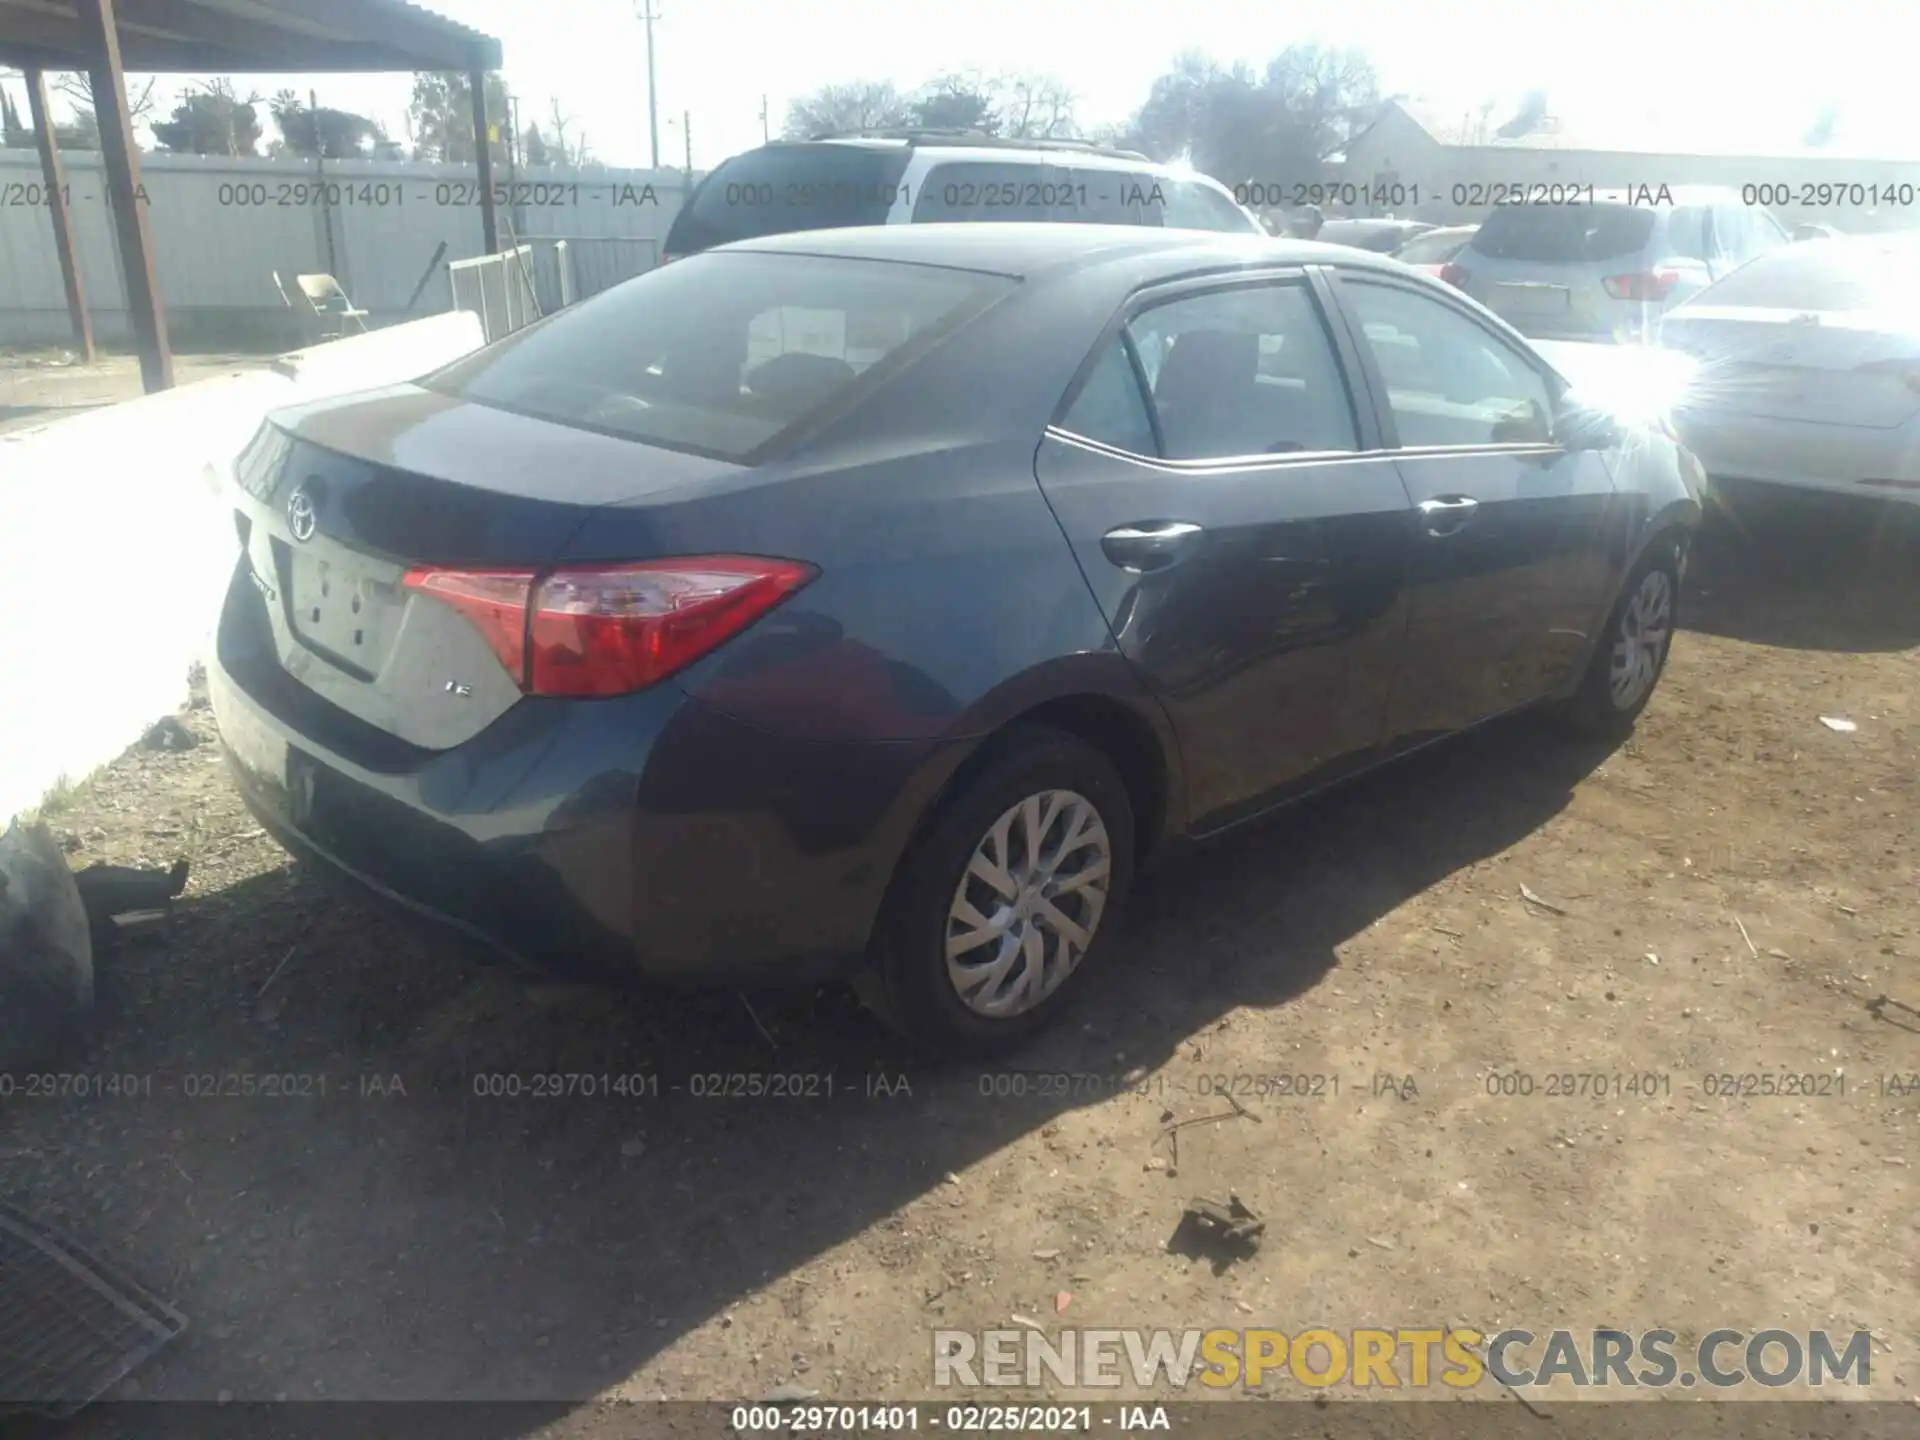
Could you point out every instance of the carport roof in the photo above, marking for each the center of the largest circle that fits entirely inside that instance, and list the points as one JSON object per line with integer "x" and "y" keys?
{"x": 247, "y": 36}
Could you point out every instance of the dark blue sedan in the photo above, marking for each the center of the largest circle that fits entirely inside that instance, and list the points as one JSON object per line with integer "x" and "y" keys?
{"x": 873, "y": 604}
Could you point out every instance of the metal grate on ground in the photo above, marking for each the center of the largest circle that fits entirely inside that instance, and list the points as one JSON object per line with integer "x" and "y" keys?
{"x": 70, "y": 1328}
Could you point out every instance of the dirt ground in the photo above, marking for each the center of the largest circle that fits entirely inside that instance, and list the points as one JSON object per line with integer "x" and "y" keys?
{"x": 444, "y": 1243}
{"x": 44, "y": 385}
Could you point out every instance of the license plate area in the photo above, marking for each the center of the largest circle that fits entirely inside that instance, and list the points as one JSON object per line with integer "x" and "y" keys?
{"x": 1525, "y": 298}
{"x": 339, "y": 610}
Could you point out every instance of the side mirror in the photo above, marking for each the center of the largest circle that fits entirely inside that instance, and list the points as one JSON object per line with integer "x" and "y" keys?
{"x": 1578, "y": 427}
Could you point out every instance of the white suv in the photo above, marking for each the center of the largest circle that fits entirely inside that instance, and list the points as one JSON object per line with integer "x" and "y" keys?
{"x": 922, "y": 177}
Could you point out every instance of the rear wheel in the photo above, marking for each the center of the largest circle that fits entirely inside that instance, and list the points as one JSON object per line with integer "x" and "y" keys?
{"x": 1632, "y": 652}
{"x": 1006, "y": 899}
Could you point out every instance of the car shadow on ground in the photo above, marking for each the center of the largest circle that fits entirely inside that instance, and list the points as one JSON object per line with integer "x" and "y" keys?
{"x": 1807, "y": 572}
{"x": 459, "y": 1241}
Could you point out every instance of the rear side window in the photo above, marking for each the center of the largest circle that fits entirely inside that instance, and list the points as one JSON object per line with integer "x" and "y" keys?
{"x": 1564, "y": 233}
{"x": 1448, "y": 381}
{"x": 1731, "y": 237}
{"x": 1110, "y": 408}
{"x": 1193, "y": 206}
{"x": 972, "y": 190}
{"x": 782, "y": 188}
{"x": 1687, "y": 232}
{"x": 1243, "y": 372}
{"x": 723, "y": 354}
{"x": 1112, "y": 197}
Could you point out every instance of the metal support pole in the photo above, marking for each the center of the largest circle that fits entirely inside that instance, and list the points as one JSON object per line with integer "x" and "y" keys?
{"x": 483, "y": 158}
{"x": 320, "y": 183}
{"x": 54, "y": 175}
{"x": 121, "y": 158}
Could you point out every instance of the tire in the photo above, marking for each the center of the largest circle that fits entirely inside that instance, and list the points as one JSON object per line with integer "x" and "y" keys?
{"x": 908, "y": 980}
{"x": 1607, "y": 706}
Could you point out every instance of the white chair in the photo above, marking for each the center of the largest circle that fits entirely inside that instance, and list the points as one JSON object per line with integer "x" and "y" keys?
{"x": 331, "y": 307}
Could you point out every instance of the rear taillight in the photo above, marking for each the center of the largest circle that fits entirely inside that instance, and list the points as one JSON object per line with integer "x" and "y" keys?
{"x": 1649, "y": 285}
{"x": 1454, "y": 275}
{"x": 494, "y": 600}
{"x": 611, "y": 630}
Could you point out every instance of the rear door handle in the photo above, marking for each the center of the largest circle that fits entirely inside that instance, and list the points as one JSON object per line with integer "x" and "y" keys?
{"x": 1448, "y": 514}
{"x": 1150, "y": 544}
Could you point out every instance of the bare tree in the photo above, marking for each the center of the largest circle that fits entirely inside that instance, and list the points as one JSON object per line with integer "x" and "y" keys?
{"x": 1819, "y": 134}
{"x": 1525, "y": 120}
{"x": 559, "y": 151}
{"x": 857, "y": 105}
{"x": 78, "y": 87}
{"x": 958, "y": 101}
{"x": 212, "y": 119}
{"x": 1238, "y": 124}
{"x": 1035, "y": 107}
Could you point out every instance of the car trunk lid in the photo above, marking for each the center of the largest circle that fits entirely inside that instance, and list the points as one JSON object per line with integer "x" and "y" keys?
{"x": 1831, "y": 367}
{"x": 342, "y": 501}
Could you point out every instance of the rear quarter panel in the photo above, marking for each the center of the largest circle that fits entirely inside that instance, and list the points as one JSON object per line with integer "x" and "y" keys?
{"x": 948, "y": 598}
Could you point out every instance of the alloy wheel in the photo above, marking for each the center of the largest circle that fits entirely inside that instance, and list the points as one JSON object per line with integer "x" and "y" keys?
{"x": 1027, "y": 907}
{"x": 1646, "y": 628}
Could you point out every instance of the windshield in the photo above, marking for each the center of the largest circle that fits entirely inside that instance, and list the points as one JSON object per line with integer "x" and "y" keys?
{"x": 722, "y": 354}
{"x": 1563, "y": 232}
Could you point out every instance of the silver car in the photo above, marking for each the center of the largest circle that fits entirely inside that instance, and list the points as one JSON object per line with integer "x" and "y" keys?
{"x": 1805, "y": 369}
{"x": 1606, "y": 270}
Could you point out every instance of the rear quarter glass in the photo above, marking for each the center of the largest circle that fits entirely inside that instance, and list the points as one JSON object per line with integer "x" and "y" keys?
{"x": 784, "y": 188}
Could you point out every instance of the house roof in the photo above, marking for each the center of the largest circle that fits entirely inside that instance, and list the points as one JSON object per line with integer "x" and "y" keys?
{"x": 247, "y": 36}
{"x": 1474, "y": 126}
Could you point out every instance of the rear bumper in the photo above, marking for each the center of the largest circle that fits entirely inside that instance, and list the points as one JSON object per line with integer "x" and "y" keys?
{"x": 649, "y": 837}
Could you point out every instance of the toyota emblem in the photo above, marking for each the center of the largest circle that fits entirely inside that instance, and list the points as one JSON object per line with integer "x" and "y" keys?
{"x": 300, "y": 513}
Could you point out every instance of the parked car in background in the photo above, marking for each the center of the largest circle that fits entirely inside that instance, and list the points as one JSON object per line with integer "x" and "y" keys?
{"x": 916, "y": 177}
{"x": 1806, "y": 369}
{"x": 1382, "y": 237}
{"x": 1607, "y": 270}
{"x": 872, "y": 604}
{"x": 1814, "y": 230}
{"x": 1432, "y": 249}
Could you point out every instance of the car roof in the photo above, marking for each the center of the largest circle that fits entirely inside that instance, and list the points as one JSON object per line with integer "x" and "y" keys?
{"x": 1376, "y": 222}
{"x": 986, "y": 150}
{"x": 1025, "y": 250}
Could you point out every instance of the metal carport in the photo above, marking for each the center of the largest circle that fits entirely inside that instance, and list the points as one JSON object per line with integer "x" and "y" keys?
{"x": 106, "y": 38}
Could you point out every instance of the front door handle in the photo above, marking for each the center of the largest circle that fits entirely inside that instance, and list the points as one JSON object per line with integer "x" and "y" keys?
{"x": 1448, "y": 514}
{"x": 1150, "y": 544}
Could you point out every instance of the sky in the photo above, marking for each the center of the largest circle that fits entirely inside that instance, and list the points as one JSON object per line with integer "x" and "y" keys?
{"x": 1714, "y": 75}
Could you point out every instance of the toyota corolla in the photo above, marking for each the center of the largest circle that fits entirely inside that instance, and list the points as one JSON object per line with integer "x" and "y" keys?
{"x": 873, "y": 604}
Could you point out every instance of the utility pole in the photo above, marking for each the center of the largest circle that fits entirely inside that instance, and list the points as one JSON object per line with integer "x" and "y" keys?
{"x": 686, "y": 130}
{"x": 764, "y": 135}
{"x": 513, "y": 164}
{"x": 648, "y": 14}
